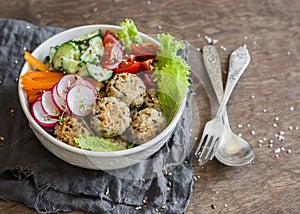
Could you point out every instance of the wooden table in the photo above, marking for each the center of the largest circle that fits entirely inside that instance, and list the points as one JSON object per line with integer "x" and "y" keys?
{"x": 266, "y": 100}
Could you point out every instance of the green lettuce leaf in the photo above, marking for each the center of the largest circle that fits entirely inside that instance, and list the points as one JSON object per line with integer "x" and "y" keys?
{"x": 97, "y": 144}
{"x": 129, "y": 34}
{"x": 171, "y": 74}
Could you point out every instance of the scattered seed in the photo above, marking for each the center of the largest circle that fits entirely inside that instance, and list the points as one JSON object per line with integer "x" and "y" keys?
{"x": 16, "y": 61}
{"x": 259, "y": 145}
{"x": 271, "y": 141}
{"x": 290, "y": 127}
{"x": 198, "y": 35}
{"x": 281, "y": 132}
{"x": 11, "y": 112}
{"x": 107, "y": 191}
{"x": 240, "y": 126}
{"x": 245, "y": 37}
{"x": 149, "y": 2}
{"x": 270, "y": 145}
{"x": 225, "y": 205}
{"x": 195, "y": 178}
{"x": 240, "y": 134}
{"x": 276, "y": 156}
{"x": 261, "y": 141}
{"x": 159, "y": 27}
{"x": 198, "y": 49}
{"x": 252, "y": 132}
{"x": 248, "y": 125}
{"x": 274, "y": 124}
{"x": 252, "y": 96}
{"x": 254, "y": 42}
{"x": 2, "y": 138}
{"x": 289, "y": 151}
{"x": 124, "y": 199}
{"x": 169, "y": 184}
{"x": 265, "y": 110}
{"x": 288, "y": 53}
{"x": 145, "y": 200}
{"x": 282, "y": 148}
{"x": 138, "y": 208}
{"x": 278, "y": 150}
{"x": 213, "y": 206}
{"x": 292, "y": 108}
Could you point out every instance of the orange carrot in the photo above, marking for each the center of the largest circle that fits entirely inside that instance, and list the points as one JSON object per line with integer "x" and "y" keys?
{"x": 36, "y": 80}
{"x": 35, "y": 62}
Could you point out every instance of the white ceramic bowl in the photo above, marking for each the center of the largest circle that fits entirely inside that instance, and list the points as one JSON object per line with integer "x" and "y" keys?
{"x": 84, "y": 158}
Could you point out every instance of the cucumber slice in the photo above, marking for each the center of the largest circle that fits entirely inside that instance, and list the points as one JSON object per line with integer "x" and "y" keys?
{"x": 97, "y": 44}
{"x": 87, "y": 36}
{"x": 94, "y": 51}
{"x": 98, "y": 72}
{"x": 90, "y": 55}
{"x": 65, "y": 50}
{"x": 72, "y": 66}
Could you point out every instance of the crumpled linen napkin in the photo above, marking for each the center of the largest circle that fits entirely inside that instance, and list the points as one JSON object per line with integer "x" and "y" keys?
{"x": 30, "y": 174}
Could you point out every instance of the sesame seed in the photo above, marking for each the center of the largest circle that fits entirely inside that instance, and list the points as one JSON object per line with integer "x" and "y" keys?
{"x": 213, "y": 206}
{"x": 16, "y": 62}
{"x": 240, "y": 126}
{"x": 198, "y": 49}
{"x": 296, "y": 128}
{"x": 149, "y": 2}
{"x": 240, "y": 134}
{"x": 107, "y": 191}
{"x": 276, "y": 118}
{"x": 270, "y": 145}
{"x": 245, "y": 37}
{"x": 248, "y": 125}
{"x": 276, "y": 156}
{"x": 290, "y": 127}
{"x": 281, "y": 132}
{"x": 252, "y": 96}
{"x": 289, "y": 151}
{"x": 252, "y": 132}
{"x": 138, "y": 208}
{"x": 159, "y": 27}
{"x": 265, "y": 110}
{"x": 261, "y": 141}
{"x": 288, "y": 53}
{"x": 282, "y": 148}
{"x": 225, "y": 205}
{"x": 274, "y": 124}
{"x": 259, "y": 145}
{"x": 292, "y": 108}
{"x": 271, "y": 141}
{"x": 2, "y": 138}
{"x": 278, "y": 150}
{"x": 198, "y": 35}
{"x": 254, "y": 42}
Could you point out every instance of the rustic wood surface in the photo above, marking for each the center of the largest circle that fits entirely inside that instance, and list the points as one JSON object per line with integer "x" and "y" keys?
{"x": 268, "y": 89}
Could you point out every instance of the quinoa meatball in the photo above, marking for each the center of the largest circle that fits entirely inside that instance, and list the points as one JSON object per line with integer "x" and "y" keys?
{"x": 151, "y": 100}
{"x": 69, "y": 129}
{"x": 111, "y": 117}
{"x": 145, "y": 125}
{"x": 127, "y": 87}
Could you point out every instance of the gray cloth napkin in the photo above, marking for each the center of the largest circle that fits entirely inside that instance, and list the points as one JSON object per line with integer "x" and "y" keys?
{"x": 30, "y": 174}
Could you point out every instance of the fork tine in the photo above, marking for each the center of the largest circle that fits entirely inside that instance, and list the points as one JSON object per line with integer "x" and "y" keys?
{"x": 208, "y": 149}
{"x": 203, "y": 139}
{"x": 214, "y": 148}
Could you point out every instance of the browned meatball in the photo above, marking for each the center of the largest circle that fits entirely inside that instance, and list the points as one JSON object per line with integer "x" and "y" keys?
{"x": 69, "y": 129}
{"x": 127, "y": 87}
{"x": 151, "y": 100}
{"x": 145, "y": 125}
{"x": 111, "y": 117}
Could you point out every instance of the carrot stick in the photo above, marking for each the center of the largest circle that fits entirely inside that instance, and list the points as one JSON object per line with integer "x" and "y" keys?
{"x": 35, "y": 62}
{"x": 36, "y": 80}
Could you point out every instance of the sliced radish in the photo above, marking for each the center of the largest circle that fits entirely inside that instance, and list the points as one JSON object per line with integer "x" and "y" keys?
{"x": 65, "y": 83}
{"x": 40, "y": 116}
{"x": 48, "y": 104}
{"x": 80, "y": 100}
{"x": 59, "y": 101}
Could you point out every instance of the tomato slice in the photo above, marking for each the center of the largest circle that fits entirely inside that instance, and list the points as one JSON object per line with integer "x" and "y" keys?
{"x": 144, "y": 50}
{"x": 146, "y": 65}
{"x": 109, "y": 37}
{"x": 129, "y": 67}
{"x": 112, "y": 56}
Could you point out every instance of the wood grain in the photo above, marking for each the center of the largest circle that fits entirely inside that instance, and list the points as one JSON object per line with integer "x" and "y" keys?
{"x": 268, "y": 89}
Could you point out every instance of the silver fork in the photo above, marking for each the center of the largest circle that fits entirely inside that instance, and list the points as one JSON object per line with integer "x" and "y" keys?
{"x": 214, "y": 129}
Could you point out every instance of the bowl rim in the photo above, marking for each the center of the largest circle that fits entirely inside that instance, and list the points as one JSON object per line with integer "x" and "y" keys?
{"x": 79, "y": 151}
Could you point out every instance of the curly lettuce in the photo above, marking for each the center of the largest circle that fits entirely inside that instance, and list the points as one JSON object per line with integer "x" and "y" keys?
{"x": 129, "y": 34}
{"x": 171, "y": 74}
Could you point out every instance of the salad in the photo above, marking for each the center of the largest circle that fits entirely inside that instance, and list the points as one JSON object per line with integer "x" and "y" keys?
{"x": 107, "y": 91}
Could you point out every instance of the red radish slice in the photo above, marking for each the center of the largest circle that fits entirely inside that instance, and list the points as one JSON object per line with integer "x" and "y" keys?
{"x": 48, "y": 104}
{"x": 42, "y": 117}
{"x": 65, "y": 83}
{"x": 59, "y": 102}
{"x": 80, "y": 100}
